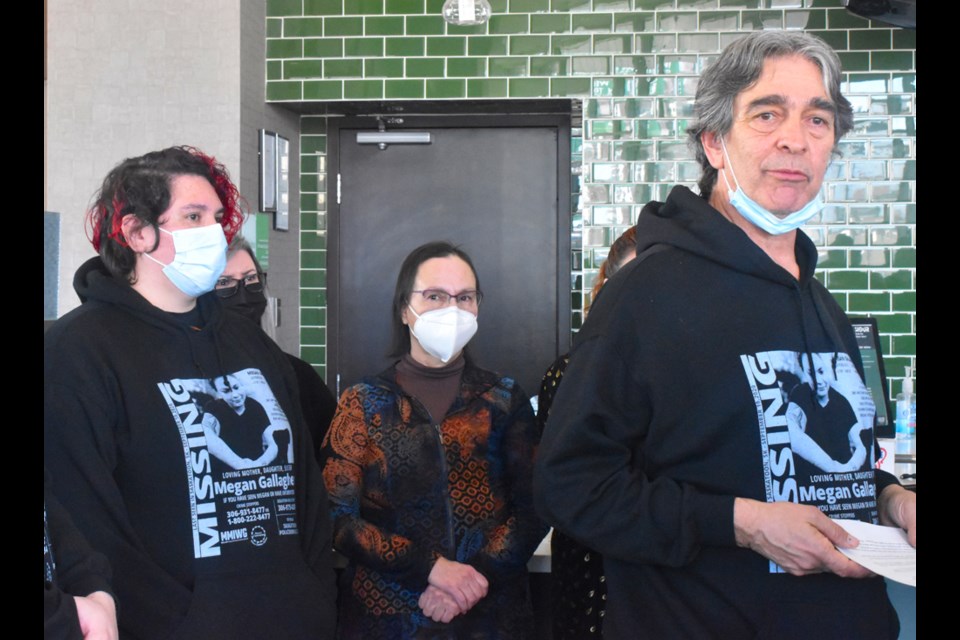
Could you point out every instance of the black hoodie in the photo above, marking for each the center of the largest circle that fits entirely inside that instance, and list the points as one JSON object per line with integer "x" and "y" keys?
{"x": 675, "y": 402}
{"x": 198, "y": 550}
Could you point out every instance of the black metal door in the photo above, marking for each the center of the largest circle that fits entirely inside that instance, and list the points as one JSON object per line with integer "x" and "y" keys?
{"x": 497, "y": 186}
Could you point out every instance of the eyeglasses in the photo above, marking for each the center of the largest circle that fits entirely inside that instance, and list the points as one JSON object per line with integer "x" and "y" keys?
{"x": 254, "y": 283}
{"x": 438, "y": 298}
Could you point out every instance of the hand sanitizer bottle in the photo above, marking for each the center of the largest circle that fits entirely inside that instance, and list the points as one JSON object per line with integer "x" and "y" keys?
{"x": 907, "y": 410}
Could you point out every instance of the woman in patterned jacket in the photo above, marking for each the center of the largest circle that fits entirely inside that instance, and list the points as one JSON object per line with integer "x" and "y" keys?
{"x": 429, "y": 468}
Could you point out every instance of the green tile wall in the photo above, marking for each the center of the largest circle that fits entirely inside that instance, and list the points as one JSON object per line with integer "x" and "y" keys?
{"x": 634, "y": 64}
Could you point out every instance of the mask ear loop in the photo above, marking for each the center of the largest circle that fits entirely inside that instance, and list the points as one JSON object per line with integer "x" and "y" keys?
{"x": 730, "y": 165}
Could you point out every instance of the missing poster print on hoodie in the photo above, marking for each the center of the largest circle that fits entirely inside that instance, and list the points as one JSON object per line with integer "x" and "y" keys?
{"x": 815, "y": 418}
{"x": 238, "y": 455}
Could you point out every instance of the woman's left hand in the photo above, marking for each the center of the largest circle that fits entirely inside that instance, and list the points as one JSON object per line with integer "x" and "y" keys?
{"x": 438, "y": 606}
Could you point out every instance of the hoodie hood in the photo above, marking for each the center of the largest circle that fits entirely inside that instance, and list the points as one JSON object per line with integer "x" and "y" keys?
{"x": 688, "y": 222}
{"x": 94, "y": 283}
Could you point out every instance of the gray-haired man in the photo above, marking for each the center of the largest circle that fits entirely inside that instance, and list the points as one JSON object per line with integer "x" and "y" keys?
{"x": 697, "y": 440}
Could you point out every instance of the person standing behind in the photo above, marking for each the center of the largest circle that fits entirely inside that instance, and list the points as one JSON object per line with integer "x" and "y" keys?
{"x": 197, "y": 552}
{"x": 667, "y": 448}
{"x": 242, "y": 288}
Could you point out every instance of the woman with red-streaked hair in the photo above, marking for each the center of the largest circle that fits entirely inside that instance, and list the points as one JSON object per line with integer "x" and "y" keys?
{"x": 198, "y": 550}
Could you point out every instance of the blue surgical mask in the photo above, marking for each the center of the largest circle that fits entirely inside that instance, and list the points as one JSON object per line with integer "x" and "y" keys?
{"x": 201, "y": 256}
{"x": 761, "y": 217}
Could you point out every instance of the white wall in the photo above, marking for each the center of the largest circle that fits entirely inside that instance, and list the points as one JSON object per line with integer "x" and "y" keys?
{"x": 125, "y": 78}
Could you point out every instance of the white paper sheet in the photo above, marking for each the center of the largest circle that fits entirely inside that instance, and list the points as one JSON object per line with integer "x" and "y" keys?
{"x": 883, "y": 550}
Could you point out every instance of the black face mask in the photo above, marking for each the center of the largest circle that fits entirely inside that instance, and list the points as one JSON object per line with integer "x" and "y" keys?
{"x": 249, "y": 304}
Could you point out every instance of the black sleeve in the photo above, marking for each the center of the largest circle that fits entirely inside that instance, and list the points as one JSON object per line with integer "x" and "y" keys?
{"x": 71, "y": 568}
{"x": 316, "y": 401}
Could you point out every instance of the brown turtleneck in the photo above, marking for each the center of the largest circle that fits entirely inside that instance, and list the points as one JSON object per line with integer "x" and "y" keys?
{"x": 435, "y": 387}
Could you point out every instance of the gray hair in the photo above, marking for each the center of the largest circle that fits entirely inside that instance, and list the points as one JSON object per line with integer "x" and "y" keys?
{"x": 739, "y": 67}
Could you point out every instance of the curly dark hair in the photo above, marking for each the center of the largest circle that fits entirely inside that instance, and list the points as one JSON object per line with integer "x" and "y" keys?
{"x": 141, "y": 187}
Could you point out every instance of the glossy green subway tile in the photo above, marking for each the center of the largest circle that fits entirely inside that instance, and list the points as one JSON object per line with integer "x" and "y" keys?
{"x": 313, "y": 316}
{"x": 868, "y": 302}
{"x": 550, "y": 23}
{"x": 904, "y": 258}
{"x": 311, "y": 260}
{"x": 892, "y": 192}
{"x": 507, "y": 67}
{"x": 302, "y": 27}
{"x": 323, "y": 7}
{"x": 840, "y": 18}
{"x": 528, "y": 87}
{"x": 284, "y": 48}
{"x": 446, "y": 88}
{"x": 831, "y": 259}
{"x": 365, "y": 7}
{"x": 611, "y": 5}
{"x": 904, "y": 39}
{"x": 313, "y": 144}
{"x": 895, "y": 323}
{"x": 404, "y": 6}
{"x": 891, "y": 60}
{"x": 302, "y": 69}
{"x": 404, "y": 89}
{"x": 891, "y": 236}
{"x": 871, "y": 39}
{"x": 529, "y": 45}
{"x": 654, "y": 4}
{"x": 274, "y": 27}
{"x": 700, "y": 4}
{"x": 903, "y": 83}
{"x": 383, "y": 26}
{"x": 363, "y": 89}
{"x": 274, "y": 70}
{"x": 836, "y": 39}
{"x": 313, "y": 124}
{"x": 562, "y": 87}
{"x": 570, "y": 45}
{"x": 308, "y": 182}
{"x": 656, "y": 43}
{"x": 466, "y": 67}
{"x": 322, "y": 90}
{"x": 424, "y": 25}
{"x": 664, "y": 86}
{"x": 891, "y": 279}
{"x": 351, "y": 26}
{"x": 867, "y": 170}
{"x": 466, "y": 29}
{"x": 903, "y": 169}
{"x": 494, "y": 88}
{"x": 719, "y": 21}
{"x": 496, "y": 6}
{"x": 590, "y": 65}
{"x": 674, "y": 21}
{"x": 313, "y": 335}
{"x": 847, "y": 237}
{"x": 634, "y": 65}
{"x": 806, "y": 19}
{"x": 529, "y": 6}
{"x": 761, "y": 20}
{"x": 592, "y": 22}
{"x": 312, "y": 355}
{"x": 405, "y": 47}
{"x": 509, "y": 24}
{"x": 656, "y": 128}
{"x": 634, "y": 22}
{"x": 867, "y": 214}
{"x": 570, "y": 5}
{"x": 612, "y": 44}
{"x": 308, "y": 221}
{"x": 323, "y": 48}
{"x": 283, "y": 7}
{"x": 284, "y": 90}
{"x": 678, "y": 64}
{"x": 903, "y": 213}
{"x": 550, "y": 66}
{"x": 343, "y": 69}
{"x": 872, "y": 126}
{"x": 424, "y": 67}
{"x": 904, "y": 301}
{"x": 487, "y": 46}
{"x": 854, "y": 60}
{"x": 363, "y": 47}
{"x": 870, "y": 258}
{"x": 866, "y": 83}
{"x": 446, "y": 46}
{"x": 847, "y": 280}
